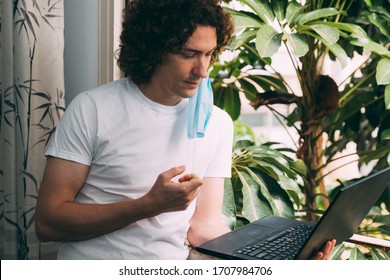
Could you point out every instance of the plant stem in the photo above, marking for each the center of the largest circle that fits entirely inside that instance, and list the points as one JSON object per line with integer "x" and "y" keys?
{"x": 341, "y": 166}
{"x": 347, "y": 94}
{"x": 278, "y": 74}
{"x": 336, "y": 159}
{"x": 276, "y": 113}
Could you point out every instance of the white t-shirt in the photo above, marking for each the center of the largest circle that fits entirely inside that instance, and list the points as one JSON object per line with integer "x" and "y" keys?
{"x": 128, "y": 140}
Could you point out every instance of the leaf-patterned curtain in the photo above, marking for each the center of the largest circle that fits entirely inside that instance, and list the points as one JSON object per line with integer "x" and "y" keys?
{"x": 32, "y": 102}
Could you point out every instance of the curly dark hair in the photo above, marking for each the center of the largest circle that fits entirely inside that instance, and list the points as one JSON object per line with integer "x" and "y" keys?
{"x": 154, "y": 28}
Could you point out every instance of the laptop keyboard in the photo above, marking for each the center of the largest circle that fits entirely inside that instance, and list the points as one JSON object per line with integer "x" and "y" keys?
{"x": 283, "y": 246}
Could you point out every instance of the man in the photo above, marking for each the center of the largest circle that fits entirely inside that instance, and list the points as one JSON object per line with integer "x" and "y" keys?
{"x": 115, "y": 184}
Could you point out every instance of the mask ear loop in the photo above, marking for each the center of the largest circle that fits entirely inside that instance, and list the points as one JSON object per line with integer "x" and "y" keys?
{"x": 190, "y": 157}
{"x": 193, "y": 155}
{"x": 199, "y": 111}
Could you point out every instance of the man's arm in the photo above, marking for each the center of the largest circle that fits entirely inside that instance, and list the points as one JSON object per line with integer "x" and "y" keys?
{"x": 206, "y": 223}
{"x": 59, "y": 218}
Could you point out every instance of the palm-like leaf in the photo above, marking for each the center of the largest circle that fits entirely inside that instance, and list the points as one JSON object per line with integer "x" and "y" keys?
{"x": 262, "y": 183}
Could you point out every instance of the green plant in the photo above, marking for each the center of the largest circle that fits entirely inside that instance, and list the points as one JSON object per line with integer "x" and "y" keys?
{"x": 358, "y": 252}
{"x": 264, "y": 182}
{"x": 326, "y": 116}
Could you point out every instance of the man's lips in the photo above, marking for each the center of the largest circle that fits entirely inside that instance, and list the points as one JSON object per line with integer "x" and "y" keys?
{"x": 192, "y": 83}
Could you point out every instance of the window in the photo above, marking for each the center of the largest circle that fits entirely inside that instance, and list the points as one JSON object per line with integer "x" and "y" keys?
{"x": 110, "y": 19}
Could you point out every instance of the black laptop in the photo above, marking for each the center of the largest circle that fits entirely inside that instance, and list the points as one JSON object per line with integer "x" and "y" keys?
{"x": 281, "y": 238}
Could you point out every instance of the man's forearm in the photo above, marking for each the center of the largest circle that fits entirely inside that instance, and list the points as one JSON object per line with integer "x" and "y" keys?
{"x": 76, "y": 221}
{"x": 197, "y": 235}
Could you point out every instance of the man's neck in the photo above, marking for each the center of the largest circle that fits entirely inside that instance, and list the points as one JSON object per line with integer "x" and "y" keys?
{"x": 158, "y": 94}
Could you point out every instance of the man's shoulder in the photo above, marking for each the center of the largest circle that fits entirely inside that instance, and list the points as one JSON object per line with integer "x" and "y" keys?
{"x": 113, "y": 87}
{"x": 110, "y": 92}
{"x": 221, "y": 114}
{"x": 109, "y": 97}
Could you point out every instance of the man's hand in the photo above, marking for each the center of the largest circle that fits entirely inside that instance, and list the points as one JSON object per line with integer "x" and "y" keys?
{"x": 326, "y": 250}
{"x": 169, "y": 196}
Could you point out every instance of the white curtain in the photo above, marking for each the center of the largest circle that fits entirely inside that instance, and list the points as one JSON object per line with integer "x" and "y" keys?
{"x": 32, "y": 102}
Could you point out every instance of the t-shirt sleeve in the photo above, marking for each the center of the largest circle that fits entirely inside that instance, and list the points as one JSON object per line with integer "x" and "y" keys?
{"x": 75, "y": 135}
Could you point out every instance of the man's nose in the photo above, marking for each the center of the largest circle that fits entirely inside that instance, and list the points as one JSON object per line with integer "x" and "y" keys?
{"x": 201, "y": 67}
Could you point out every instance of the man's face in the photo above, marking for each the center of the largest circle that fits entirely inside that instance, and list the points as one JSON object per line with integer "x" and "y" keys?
{"x": 181, "y": 72}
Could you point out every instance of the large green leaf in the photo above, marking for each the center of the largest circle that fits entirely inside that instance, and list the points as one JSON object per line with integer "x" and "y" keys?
{"x": 274, "y": 164}
{"x": 282, "y": 186}
{"x": 232, "y": 103}
{"x": 237, "y": 190}
{"x": 369, "y": 3}
{"x": 253, "y": 208}
{"x": 268, "y": 82}
{"x": 279, "y": 164}
{"x": 268, "y": 41}
{"x": 338, "y": 52}
{"x": 374, "y": 155}
{"x": 242, "y": 20}
{"x": 218, "y": 90}
{"x": 387, "y": 253}
{"x": 243, "y": 38}
{"x": 298, "y": 43}
{"x": 337, "y": 252}
{"x": 266, "y": 168}
{"x": 261, "y": 8}
{"x": 274, "y": 195}
{"x": 328, "y": 33}
{"x": 385, "y": 135}
{"x": 265, "y": 151}
{"x": 376, "y": 255}
{"x": 385, "y": 229}
{"x": 281, "y": 202}
{"x": 279, "y": 8}
{"x": 384, "y": 219}
{"x": 350, "y": 105}
{"x": 374, "y": 47}
{"x": 292, "y": 11}
{"x": 229, "y": 205}
{"x": 370, "y": 46}
{"x": 262, "y": 181}
{"x": 299, "y": 167}
{"x": 383, "y": 72}
{"x": 241, "y": 144}
{"x": 356, "y": 254}
{"x": 380, "y": 22}
{"x": 248, "y": 88}
{"x": 387, "y": 97}
{"x": 227, "y": 97}
{"x": 263, "y": 188}
{"x": 354, "y": 29}
{"x": 287, "y": 183}
{"x": 314, "y": 15}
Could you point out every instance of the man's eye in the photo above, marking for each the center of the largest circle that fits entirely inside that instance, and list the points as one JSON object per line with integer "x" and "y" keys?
{"x": 187, "y": 54}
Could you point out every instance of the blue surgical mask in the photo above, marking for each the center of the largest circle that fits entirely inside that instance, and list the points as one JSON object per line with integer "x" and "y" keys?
{"x": 200, "y": 107}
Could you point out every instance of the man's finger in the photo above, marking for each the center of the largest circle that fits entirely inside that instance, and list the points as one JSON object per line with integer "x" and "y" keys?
{"x": 171, "y": 173}
{"x": 186, "y": 177}
{"x": 192, "y": 184}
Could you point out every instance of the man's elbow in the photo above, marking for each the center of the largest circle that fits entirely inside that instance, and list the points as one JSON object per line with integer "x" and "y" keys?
{"x": 194, "y": 238}
{"x": 43, "y": 231}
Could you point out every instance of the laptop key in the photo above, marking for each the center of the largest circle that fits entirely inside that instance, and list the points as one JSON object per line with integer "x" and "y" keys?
{"x": 255, "y": 252}
{"x": 261, "y": 255}
{"x": 284, "y": 245}
{"x": 274, "y": 237}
